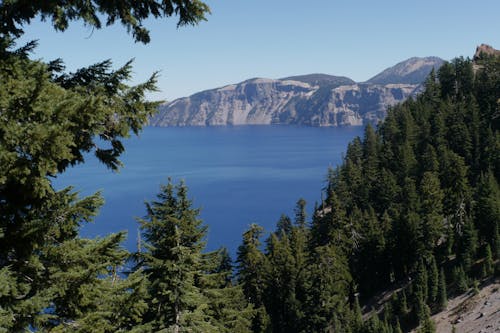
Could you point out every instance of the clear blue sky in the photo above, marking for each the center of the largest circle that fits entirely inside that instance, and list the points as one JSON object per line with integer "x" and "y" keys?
{"x": 277, "y": 38}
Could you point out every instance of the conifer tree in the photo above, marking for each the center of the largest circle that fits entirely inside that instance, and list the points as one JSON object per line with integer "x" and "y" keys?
{"x": 422, "y": 282}
{"x": 442, "y": 297}
{"x": 226, "y": 303}
{"x": 488, "y": 261}
{"x": 172, "y": 260}
{"x": 427, "y": 325}
{"x": 299, "y": 247}
{"x": 397, "y": 327}
{"x": 14, "y": 15}
{"x": 50, "y": 278}
{"x": 431, "y": 212}
{"x": 280, "y": 281}
{"x": 284, "y": 226}
{"x": 460, "y": 279}
{"x": 487, "y": 211}
{"x": 50, "y": 122}
{"x": 300, "y": 213}
{"x": 329, "y": 285}
{"x": 433, "y": 281}
{"x": 252, "y": 265}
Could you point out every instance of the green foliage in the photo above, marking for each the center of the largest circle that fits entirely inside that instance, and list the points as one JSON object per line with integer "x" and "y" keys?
{"x": 442, "y": 296}
{"x": 488, "y": 261}
{"x": 187, "y": 290}
{"x": 252, "y": 265}
{"x": 487, "y": 211}
{"x": 433, "y": 281}
{"x": 329, "y": 285}
{"x": 460, "y": 279}
{"x": 95, "y": 13}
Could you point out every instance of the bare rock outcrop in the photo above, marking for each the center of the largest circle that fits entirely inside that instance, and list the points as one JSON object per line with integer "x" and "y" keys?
{"x": 311, "y": 100}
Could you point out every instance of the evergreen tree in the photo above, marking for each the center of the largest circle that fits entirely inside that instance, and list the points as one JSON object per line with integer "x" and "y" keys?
{"x": 172, "y": 261}
{"x": 467, "y": 245}
{"x": 487, "y": 211}
{"x": 431, "y": 212}
{"x": 442, "y": 297}
{"x": 329, "y": 285}
{"x": 433, "y": 281}
{"x": 50, "y": 278}
{"x": 422, "y": 282}
{"x": 131, "y": 15}
{"x": 226, "y": 303}
{"x": 280, "y": 302}
{"x": 488, "y": 261}
{"x": 284, "y": 226}
{"x": 252, "y": 265}
{"x": 427, "y": 325}
{"x": 460, "y": 279}
{"x": 397, "y": 327}
{"x": 49, "y": 123}
{"x": 300, "y": 213}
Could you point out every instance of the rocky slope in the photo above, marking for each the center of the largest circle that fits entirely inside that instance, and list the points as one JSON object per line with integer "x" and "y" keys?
{"x": 313, "y": 100}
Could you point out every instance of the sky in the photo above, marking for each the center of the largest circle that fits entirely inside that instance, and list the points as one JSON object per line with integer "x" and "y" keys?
{"x": 243, "y": 39}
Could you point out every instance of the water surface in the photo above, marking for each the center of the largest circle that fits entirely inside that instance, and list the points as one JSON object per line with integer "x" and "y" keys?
{"x": 236, "y": 175}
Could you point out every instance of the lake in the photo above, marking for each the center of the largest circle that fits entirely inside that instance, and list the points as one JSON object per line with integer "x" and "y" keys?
{"x": 236, "y": 175}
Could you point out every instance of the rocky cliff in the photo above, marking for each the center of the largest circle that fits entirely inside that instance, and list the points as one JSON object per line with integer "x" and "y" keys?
{"x": 313, "y": 100}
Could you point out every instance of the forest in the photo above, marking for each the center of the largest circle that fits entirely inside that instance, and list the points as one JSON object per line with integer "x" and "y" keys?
{"x": 414, "y": 209}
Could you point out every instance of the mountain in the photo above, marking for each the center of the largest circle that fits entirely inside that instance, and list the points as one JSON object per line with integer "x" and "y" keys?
{"x": 311, "y": 100}
{"x": 411, "y": 71}
{"x": 322, "y": 80}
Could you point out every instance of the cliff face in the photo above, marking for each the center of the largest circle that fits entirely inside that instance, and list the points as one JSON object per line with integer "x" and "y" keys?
{"x": 313, "y": 100}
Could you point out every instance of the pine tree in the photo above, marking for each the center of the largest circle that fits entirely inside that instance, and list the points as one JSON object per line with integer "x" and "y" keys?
{"x": 431, "y": 212}
{"x": 397, "y": 327}
{"x": 433, "y": 281}
{"x": 329, "y": 285}
{"x": 226, "y": 302}
{"x": 252, "y": 265}
{"x": 280, "y": 301}
{"x": 422, "y": 282}
{"x": 299, "y": 248}
{"x": 460, "y": 279}
{"x": 50, "y": 122}
{"x": 284, "y": 226}
{"x": 357, "y": 321}
{"x": 300, "y": 213}
{"x": 487, "y": 211}
{"x": 172, "y": 262}
{"x": 488, "y": 261}
{"x": 131, "y": 15}
{"x": 467, "y": 245}
{"x": 427, "y": 325}
{"x": 442, "y": 297}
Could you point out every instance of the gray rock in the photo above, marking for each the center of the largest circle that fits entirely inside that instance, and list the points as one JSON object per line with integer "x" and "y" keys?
{"x": 312, "y": 100}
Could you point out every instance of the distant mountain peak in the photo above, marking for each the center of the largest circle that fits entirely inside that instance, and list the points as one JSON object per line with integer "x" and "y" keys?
{"x": 312, "y": 99}
{"x": 411, "y": 71}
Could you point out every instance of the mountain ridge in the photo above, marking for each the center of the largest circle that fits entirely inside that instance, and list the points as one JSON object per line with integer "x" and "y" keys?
{"x": 312, "y": 99}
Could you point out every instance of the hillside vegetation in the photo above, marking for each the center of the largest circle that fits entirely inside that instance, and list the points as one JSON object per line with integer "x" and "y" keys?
{"x": 414, "y": 209}
{"x": 413, "y": 213}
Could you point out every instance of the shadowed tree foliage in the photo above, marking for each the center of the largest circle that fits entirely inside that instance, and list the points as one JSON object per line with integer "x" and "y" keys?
{"x": 50, "y": 278}
{"x": 187, "y": 289}
{"x": 96, "y": 13}
{"x": 415, "y": 199}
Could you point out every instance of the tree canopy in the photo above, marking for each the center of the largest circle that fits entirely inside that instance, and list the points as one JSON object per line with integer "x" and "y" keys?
{"x": 14, "y": 14}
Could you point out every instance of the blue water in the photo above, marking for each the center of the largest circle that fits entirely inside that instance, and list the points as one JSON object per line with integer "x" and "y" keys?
{"x": 236, "y": 175}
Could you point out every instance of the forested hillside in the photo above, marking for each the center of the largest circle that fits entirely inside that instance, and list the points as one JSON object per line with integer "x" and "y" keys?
{"x": 414, "y": 209}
